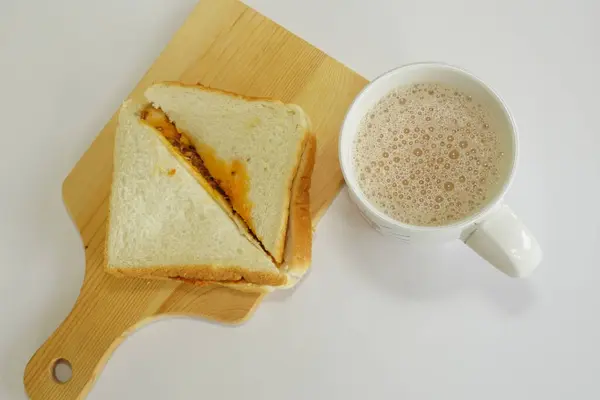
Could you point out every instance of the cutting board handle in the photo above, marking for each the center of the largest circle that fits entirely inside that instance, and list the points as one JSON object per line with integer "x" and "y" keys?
{"x": 86, "y": 338}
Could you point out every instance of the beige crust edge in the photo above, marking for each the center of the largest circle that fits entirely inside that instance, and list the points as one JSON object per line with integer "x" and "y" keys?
{"x": 216, "y": 90}
{"x": 298, "y": 249}
{"x": 241, "y": 286}
{"x": 299, "y": 239}
{"x": 280, "y": 249}
{"x": 279, "y": 246}
{"x": 201, "y": 272}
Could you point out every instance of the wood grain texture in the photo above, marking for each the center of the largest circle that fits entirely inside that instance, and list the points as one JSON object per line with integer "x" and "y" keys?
{"x": 223, "y": 44}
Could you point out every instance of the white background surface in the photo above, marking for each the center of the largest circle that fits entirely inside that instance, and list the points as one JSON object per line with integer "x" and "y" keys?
{"x": 373, "y": 319}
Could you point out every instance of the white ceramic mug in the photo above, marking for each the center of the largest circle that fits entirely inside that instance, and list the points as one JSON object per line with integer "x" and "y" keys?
{"x": 494, "y": 232}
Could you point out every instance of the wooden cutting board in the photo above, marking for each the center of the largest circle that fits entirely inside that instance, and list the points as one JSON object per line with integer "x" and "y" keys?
{"x": 223, "y": 44}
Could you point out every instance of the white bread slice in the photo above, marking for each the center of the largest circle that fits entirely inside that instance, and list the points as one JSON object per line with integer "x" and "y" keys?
{"x": 163, "y": 224}
{"x": 298, "y": 247}
{"x": 264, "y": 138}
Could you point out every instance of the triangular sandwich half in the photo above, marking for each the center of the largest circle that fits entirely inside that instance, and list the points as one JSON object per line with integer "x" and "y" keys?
{"x": 251, "y": 147}
{"x": 298, "y": 246}
{"x": 164, "y": 224}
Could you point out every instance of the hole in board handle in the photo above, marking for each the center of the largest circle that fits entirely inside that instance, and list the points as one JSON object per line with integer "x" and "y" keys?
{"x": 62, "y": 371}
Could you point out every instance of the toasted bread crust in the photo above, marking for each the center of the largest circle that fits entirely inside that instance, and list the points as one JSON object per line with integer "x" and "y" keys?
{"x": 201, "y": 273}
{"x": 236, "y": 285}
{"x": 299, "y": 239}
{"x": 278, "y": 252}
{"x": 222, "y": 91}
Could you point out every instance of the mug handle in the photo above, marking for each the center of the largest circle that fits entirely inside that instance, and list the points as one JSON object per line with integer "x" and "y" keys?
{"x": 506, "y": 243}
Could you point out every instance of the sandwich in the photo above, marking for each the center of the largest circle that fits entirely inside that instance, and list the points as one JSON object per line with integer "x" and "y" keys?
{"x": 189, "y": 205}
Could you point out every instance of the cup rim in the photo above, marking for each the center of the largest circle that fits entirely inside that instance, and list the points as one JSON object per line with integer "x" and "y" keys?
{"x": 462, "y": 223}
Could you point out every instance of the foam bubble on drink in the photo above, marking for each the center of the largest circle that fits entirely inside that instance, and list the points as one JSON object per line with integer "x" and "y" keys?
{"x": 439, "y": 149}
